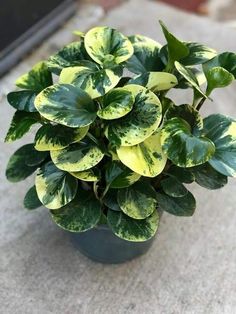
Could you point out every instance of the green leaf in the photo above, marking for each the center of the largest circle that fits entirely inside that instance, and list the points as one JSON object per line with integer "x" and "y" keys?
{"x": 80, "y": 215}
{"x": 107, "y": 45}
{"x": 226, "y": 60}
{"x": 178, "y": 206}
{"x": 183, "y": 175}
{"x": 140, "y": 123}
{"x": 217, "y": 78}
{"x": 33, "y": 157}
{"x": 37, "y": 79}
{"x": 132, "y": 229}
{"x": 187, "y": 113}
{"x": 92, "y": 79}
{"x": 182, "y": 147}
{"x": 21, "y": 124}
{"x": 67, "y": 105}
{"x": 55, "y": 188}
{"x": 90, "y": 175}
{"x": 177, "y": 50}
{"x": 77, "y": 157}
{"x": 146, "y": 158}
{"x": 222, "y": 131}
{"x": 198, "y": 54}
{"x": 31, "y": 200}
{"x": 116, "y": 104}
{"x": 73, "y": 54}
{"x": 17, "y": 169}
{"x": 137, "y": 201}
{"x": 155, "y": 81}
{"x": 189, "y": 77}
{"x": 173, "y": 187}
{"x": 118, "y": 176}
{"x": 22, "y": 100}
{"x": 55, "y": 137}
{"x": 208, "y": 177}
{"x": 110, "y": 200}
{"x": 145, "y": 57}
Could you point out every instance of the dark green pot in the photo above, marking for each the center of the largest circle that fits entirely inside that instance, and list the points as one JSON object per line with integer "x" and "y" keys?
{"x": 101, "y": 245}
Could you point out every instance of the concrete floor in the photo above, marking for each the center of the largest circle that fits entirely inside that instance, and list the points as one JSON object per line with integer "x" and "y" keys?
{"x": 191, "y": 268}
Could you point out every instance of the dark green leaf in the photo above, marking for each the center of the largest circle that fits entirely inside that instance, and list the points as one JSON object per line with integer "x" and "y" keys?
{"x": 183, "y": 175}
{"x": 198, "y": 54}
{"x": 208, "y": 177}
{"x": 178, "y": 206}
{"x": 226, "y": 60}
{"x": 22, "y": 100}
{"x": 217, "y": 78}
{"x": 31, "y": 200}
{"x": 173, "y": 187}
{"x": 21, "y": 124}
{"x": 110, "y": 200}
{"x": 132, "y": 229}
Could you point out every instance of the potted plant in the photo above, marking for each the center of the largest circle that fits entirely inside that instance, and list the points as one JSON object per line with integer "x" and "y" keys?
{"x": 112, "y": 151}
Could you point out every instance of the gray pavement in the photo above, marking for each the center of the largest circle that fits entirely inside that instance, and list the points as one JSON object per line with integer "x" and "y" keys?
{"x": 191, "y": 267}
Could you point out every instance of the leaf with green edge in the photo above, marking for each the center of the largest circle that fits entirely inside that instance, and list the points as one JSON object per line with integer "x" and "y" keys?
{"x": 116, "y": 104}
{"x": 22, "y": 100}
{"x": 107, "y": 45}
{"x": 82, "y": 214}
{"x": 137, "y": 201}
{"x": 73, "y": 54}
{"x": 78, "y": 156}
{"x": 31, "y": 200}
{"x": 208, "y": 177}
{"x": 198, "y": 54}
{"x": 217, "y": 78}
{"x": 17, "y": 170}
{"x": 90, "y": 175}
{"x": 189, "y": 76}
{"x": 155, "y": 81}
{"x": 140, "y": 123}
{"x": 56, "y": 137}
{"x": 55, "y": 188}
{"x": 36, "y": 79}
{"x": 21, "y": 124}
{"x": 92, "y": 79}
{"x": 226, "y": 60}
{"x": 222, "y": 131}
{"x": 187, "y": 113}
{"x": 146, "y": 158}
{"x": 133, "y": 230}
{"x": 182, "y": 147}
{"x": 178, "y": 206}
{"x": 146, "y": 55}
{"x": 67, "y": 105}
{"x": 110, "y": 200}
{"x": 118, "y": 176}
{"x": 173, "y": 187}
{"x": 177, "y": 49}
{"x": 183, "y": 175}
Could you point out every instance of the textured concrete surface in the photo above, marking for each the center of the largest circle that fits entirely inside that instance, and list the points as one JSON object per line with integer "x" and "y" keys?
{"x": 191, "y": 268}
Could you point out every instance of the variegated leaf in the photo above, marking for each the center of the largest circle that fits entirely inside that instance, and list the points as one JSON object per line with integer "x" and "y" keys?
{"x": 140, "y": 123}
{"x": 146, "y": 55}
{"x": 182, "y": 147}
{"x": 22, "y": 100}
{"x": 77, "y": 157}
{"x": 94, "y": 80}
{"x": 217, "y": 77}
{"x": 67, "y": 105}
{"x": 37, "y": 79}
{"x": 222, "y": 131}
{"x": 198, "y": 54}
{"x": 55, "y": 188}
{"x": 55, "y": 137}
{"x": 90, "y": 175}
{"x": 80, "y": 215}
{"x": 110, "y": 200}
{"x": 116, "y": 104}
{"x": 131, "y": 229}
{"x": 226, "y": 60}
{"x": 155, "y": 81}
{"x": 137, "y": 201}
{"x": 73, "y": 54}
{"x": 146, "y": 158}
{"x": 107, "y": 45}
